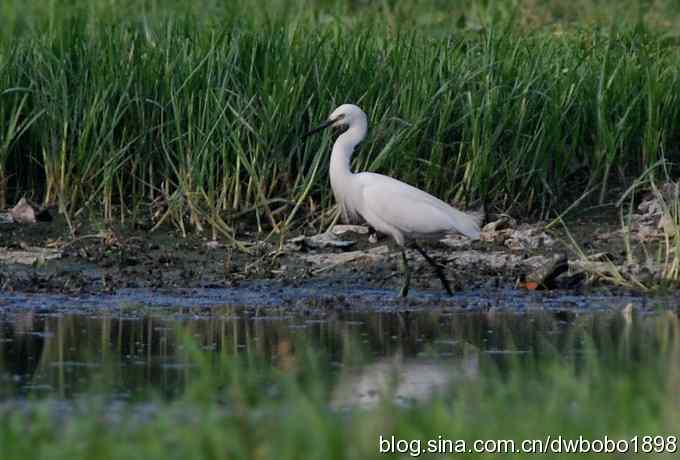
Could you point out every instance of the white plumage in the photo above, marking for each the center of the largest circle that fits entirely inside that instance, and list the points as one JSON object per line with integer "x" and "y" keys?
{"x": 388, "y": 205}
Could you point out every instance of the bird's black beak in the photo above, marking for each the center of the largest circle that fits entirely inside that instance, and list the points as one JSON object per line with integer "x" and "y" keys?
{"x": 319, "y": 128}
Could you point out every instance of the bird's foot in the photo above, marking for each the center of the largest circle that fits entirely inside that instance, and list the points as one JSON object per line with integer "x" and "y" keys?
{"x": 445, "y": 283}
{"x": 403, "y": 292}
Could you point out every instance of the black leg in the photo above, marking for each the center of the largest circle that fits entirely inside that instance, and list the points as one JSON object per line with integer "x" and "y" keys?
{"x": 438, "y": 269}
{"x": 407, "y": 274}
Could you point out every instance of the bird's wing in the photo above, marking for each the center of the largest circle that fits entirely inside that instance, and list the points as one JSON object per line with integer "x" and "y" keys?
{"x": 410, "y": 210}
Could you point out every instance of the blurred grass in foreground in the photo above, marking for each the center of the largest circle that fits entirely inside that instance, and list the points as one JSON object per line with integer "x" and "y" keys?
{"x": 619, "y": 385}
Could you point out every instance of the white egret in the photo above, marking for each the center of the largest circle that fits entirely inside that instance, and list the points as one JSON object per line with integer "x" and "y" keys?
{"x": 391, "y": 207}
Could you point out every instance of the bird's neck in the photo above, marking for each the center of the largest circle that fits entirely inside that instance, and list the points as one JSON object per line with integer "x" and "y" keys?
{"x": 343, "y": 148}
{"x": 341, "y": 172}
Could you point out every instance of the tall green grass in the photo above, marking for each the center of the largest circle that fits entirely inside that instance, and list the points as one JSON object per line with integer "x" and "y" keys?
{"x": 200, "y": 106}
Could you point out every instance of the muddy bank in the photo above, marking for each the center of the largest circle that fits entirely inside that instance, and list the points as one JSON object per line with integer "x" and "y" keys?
{"x": 41, "y": 258}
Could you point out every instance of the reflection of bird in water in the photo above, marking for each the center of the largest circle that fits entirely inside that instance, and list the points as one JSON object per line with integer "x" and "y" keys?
{"x": 389, "y": 206}
{"x": 403, "y": 381}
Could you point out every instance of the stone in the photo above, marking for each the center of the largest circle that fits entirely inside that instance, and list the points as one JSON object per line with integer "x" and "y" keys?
{"x": 26, "y": 212}
{"x": 320, "y": 241}
{"x": 342, "y": 229}
{"x": 545, "y": 275}
{"x": 29, "y": 255}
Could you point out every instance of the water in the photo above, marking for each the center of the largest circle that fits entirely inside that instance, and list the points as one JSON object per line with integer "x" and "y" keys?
{"x": 127, "y": 352}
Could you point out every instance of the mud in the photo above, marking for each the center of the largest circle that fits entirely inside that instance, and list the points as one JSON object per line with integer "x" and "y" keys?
{"x": 107, "y": 258}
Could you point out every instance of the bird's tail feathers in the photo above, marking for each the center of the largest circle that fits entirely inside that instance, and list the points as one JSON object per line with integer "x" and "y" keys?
{"x": 479, "y": 215}
{"x": 467, "y": 224}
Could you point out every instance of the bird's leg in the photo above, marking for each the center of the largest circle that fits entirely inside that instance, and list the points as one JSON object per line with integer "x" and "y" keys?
{"x": 406, "y": 272}
{"x": 438, "y": 269}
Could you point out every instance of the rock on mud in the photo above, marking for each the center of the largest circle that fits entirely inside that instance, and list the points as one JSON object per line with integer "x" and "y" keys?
{"x": 332, "y": 260}
{"x": 29, "y": 255}
{"x": 504, "y": 222}
{"x": 343, "y": 229}
{"x": 506, "y": 232}
{"x": 320, "y": 241}
{"x": 654, "y": 217}
{"x": 26, "y": 212}
{"x": 546, "y": 274}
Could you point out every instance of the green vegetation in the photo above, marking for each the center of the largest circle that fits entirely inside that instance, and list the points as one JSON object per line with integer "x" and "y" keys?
{"x": 616, "y": 377}
{"x": 193, "y": 111}
{"x": 199, "y": 107}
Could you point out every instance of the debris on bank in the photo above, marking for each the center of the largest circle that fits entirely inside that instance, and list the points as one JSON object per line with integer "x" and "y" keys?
{"x": 29, "y": 255}
{"x": 328, "y": 261}
{"x": 546, "y": 274}
{"x": 26, "y": 212}
{"x": 505, "y": 231}
{"x": 632, "y": 274}
{"x": 507, "y": 249}
{"x": 509, "y": 253}
{"x": 344, "y": 229}
{"x": 653, "y": 218}
{"x": 321, "y": 241}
